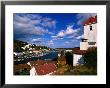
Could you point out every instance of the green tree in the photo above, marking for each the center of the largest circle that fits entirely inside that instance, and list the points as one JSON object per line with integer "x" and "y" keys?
{"x": 90, "y": 59}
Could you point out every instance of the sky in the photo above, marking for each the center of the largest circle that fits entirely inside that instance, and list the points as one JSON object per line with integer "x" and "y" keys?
{"x": 55, "y": 30}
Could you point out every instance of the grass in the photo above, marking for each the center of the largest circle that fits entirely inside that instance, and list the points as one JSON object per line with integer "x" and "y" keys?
{"x": 82, "y": 70}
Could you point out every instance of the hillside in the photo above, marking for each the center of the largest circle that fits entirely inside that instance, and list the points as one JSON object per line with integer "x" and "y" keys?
{"x": 18, "y": 44}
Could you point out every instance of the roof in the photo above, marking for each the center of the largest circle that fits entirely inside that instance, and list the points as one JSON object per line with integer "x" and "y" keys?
{"x": 80, "y": 52}
{"x": 45, "y": 69}
{"x": 91, "y": 20}
{"x": 83, "y": 52}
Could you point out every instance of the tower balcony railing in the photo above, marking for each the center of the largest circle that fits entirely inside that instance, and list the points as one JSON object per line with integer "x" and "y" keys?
{"x": 84, "y": 40}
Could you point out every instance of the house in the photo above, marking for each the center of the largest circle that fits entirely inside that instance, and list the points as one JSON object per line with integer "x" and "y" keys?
{"x": 59, "y": 55}
{"x": 42, "y": 67}
{"x": 18, "y": 53}
{"x": 33, "y": 71}
{"x": 27, "y": 46}
{"x": 36, "y": 51}
{"x": 89, "y": 42}
{"x": 68, "y": 50}
{"x": 77, "y": 55}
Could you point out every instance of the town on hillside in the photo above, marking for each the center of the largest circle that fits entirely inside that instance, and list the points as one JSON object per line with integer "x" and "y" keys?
{"x": 41, "y": 59}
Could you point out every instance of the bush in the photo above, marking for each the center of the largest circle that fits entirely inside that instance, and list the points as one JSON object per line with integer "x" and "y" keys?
{"x": 90, "y": 59}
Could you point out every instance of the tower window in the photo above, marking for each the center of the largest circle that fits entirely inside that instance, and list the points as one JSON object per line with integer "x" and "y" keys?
{"x": 90, "y": 28}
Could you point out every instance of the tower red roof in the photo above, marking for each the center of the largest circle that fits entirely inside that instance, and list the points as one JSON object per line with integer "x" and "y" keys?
{"x": 91, "y": 20}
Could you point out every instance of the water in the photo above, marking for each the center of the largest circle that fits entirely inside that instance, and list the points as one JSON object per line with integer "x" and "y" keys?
{"x": 49, "y": 56}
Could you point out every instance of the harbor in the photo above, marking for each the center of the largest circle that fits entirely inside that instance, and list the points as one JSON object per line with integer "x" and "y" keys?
{"x": 53, "y": 55}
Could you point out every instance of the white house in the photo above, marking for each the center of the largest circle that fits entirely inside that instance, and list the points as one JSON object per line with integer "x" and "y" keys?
{"x": 68, "y": 50}
{"x": 33, "y": 71}
{"x": 26, "y": 46}
{"x": 76, "y": 58}
{"x": 89, "y": 40}
{"x": 18, "y": 53}
{"x": 59, "y": 55}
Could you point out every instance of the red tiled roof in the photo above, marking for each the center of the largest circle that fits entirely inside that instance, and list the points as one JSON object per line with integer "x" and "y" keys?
{"x": 45, "y": 69}
{"x": 80, "y": 52}
{"x": 90, "y": 20}
{"x": 83, "y": 52}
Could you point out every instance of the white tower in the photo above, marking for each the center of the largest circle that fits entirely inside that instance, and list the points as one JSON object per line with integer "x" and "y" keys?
{"x": 90, "y": 34}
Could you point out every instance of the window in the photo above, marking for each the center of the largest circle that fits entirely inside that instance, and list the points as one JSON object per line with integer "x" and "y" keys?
{"x": 90, "y": 28}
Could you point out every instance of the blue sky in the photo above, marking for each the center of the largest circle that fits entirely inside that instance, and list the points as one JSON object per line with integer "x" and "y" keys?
{"x": 55, "y": 30}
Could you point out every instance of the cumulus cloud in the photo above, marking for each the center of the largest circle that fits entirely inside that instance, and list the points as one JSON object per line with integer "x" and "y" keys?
{"x": 33, "y": 16}
{"x": 71, "y": 41}
{"x": 80, "y": 37}
{"x": 37, "y": 40}
{"x": 67, "y": 42}
{"x": 60, "y": 35}
{"x": 57, "y": 38}
{"x": 49, "y": 24}
{"x": 31, "y": 24}
{"x": 50, "y": 43}
{"x": 68, "y": 32}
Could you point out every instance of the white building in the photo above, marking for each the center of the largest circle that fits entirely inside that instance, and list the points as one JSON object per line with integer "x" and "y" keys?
{"x": 90, "y": 34}
{"x": 26, "y": 46}
{"x": 18, "y": 53}
{"x": 76, "y": 58}
{"x": 89, "y": 40}
{"x": 68, "y": 50}
{"x": 33, "y": 71}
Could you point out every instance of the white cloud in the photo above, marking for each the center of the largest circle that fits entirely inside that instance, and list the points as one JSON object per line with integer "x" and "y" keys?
{"x": 71, "y": 36}
{"x": 61, "y": 33}
{"x": 31, "y": 24}
{"x": 33, "y": 16}
{"x": 72, "y": 41}
{"x": 67, "y": 42}
{"x": 21, "y": 19}
{"x": 57, "y": 38}
{"x": 50, "y": 43}
{"x": 68, "y": 32}
{"x": 40, "y": 31}
{"x": 49, "y": 24}
{"x": 35, "y": 22}
{"x": 79, "y": 37}
{"x": 37, "y": 40}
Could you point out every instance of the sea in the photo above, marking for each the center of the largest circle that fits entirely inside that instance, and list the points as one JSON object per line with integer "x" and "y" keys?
{"x": 50, "y": 56}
